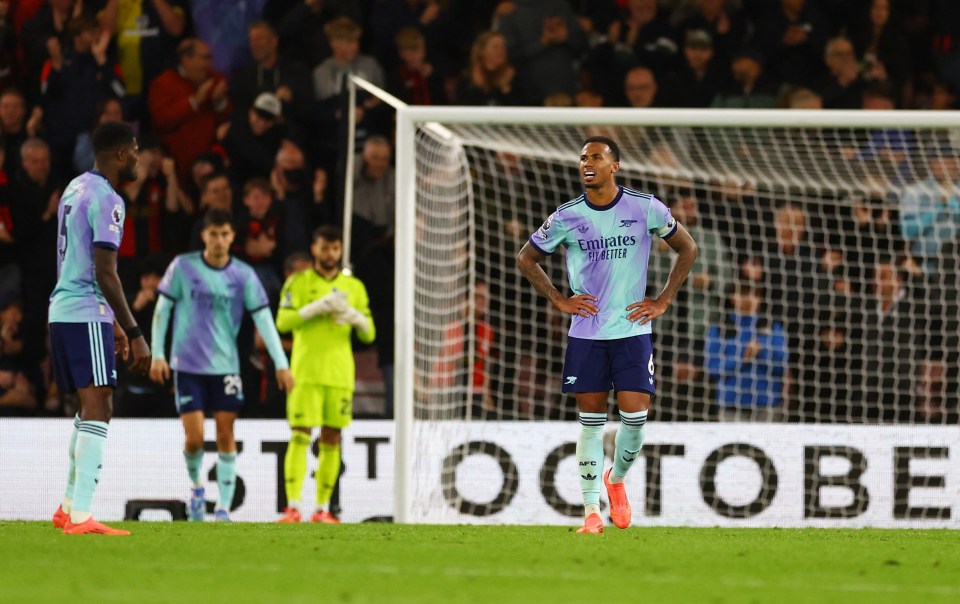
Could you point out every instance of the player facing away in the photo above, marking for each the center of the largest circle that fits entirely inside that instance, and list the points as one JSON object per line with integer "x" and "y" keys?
{"x": 207, "y": 292}
{"x": 90, "y": 321}
{"x": 607, "y": 232}
{"x": 321, "y": 306}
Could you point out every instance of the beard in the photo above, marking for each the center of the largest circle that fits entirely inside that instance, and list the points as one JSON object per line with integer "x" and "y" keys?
{"x": 128, "y": 174}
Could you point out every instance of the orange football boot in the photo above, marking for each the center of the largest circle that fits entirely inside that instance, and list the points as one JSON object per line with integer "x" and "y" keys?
{"x": 60, "y": 518}
{"x": 619, "y": 506}
{"x": 290, "y": 515}
{"x": 324, "y": 517}
{"x": 91, "y": 527}
{"x": 593, "y": 525}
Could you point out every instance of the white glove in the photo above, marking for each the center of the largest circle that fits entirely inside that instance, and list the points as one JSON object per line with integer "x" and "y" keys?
{"x": 333, "y": 303}
{"x": 353, "y": 317}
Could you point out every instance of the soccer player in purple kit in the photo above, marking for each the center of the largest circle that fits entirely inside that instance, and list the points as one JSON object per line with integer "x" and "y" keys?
{"x": 206, "y": 293}
{"x": 607, "y": 232}
{"x": 90, "y": 321}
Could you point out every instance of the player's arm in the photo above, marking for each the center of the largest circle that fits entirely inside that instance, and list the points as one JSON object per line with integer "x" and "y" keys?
{"x": 159, "y": 368}
{"x": 105, "y": 270}
{"x": 651, "y": 308}
{"x": 268, "y": 331}
{"x": 528, "y": 261}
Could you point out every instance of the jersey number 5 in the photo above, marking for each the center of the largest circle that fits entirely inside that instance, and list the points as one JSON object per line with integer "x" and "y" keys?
{"x": 62, "y": 240}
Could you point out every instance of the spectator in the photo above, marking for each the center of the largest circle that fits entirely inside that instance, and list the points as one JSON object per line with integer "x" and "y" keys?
{"x": 301, "y": 28}
{"x": 490, "y": 79}
{"x": 18, "y": 388}
{"x": 413, "y": 80}
{"x": 74, "y": 82}
{"x": 373, "y": 194}
{"x": 930, "y": 211}
{"x": 644, "y": 36}
{"x": 544, "y": 39}
{"x": 746, "y": 88}
{"x": 153, "y": 204}
{"x": 698, "y": 79}
{"x": 15, "y": 127}
{"x": 304, "y": 207}
{"x": 799, "y": 97}
{"x": 791, "y": 269}
{"x": 430, "y": 18}
{"x": 728, "y": 27}
{"x": 791, "y": 37}
{"x": 14, "y": 226}
{"x": 450, "y": 366}
{"x": 215, "y": 192}
{"x": 45, "y": 30}
{"x": 137, "y": 395}
{"x": 260, "y": 233}
{"x": 747, "y": 358}
{"x": 205, "y": 164}
{"x": 146, "y": 34}
{"x": 108, "y": 110}
{"x": 842, "y": 88}
{"x": 253, "y": 137}
{"x": 640, "y": 88}
{"x": 329, "y": 76}
{"x": 40, "y": 195}
{"x": 880, "y": 45}
{"x": 697, "y": 304}
{"x": 893, "y": 337}
{"x": 288, "y": 80}
{"x": 188, "y": 103}
{"x": 225, "y": 31}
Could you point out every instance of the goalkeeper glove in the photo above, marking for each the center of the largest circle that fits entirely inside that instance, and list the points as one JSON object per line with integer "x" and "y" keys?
{"x": 354, "y": 317}
{"x": 332, "y": 303}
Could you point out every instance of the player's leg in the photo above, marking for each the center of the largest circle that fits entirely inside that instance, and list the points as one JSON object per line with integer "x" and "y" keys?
{"x": 593, "y": 418}
{"x": 60, "y": 361}
{"x": 226, "y": 463}
{"x": 189, "y": 398}
{"x": 89, "y": 357}
{"x": 337, "y": 414}
{"x": 62, "y": 514}
{"x": 632, "y": 369}
{"x": 303, "y": 412}
{"x": 586, "y": 375}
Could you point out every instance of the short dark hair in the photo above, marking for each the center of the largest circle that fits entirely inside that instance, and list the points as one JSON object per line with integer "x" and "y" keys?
{"x": 327, "y": 232}
{"x": 112, "y": 135}
{"x": 217, "y": 217}
{"x": 208, "y": 178}
{"x": 614, "y": 148}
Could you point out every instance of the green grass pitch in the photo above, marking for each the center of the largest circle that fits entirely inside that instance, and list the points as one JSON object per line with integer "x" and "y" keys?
{"x": 238, "y": 563}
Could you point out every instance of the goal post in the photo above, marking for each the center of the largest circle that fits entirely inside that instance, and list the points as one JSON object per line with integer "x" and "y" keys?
{"x": 481, "y": 434}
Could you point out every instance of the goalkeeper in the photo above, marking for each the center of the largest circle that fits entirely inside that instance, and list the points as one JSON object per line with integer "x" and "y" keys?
{"x": 321, "y": 307}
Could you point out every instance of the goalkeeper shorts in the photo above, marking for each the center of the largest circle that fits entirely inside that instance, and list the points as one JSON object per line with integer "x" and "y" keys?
{"x": 312, "y": 405}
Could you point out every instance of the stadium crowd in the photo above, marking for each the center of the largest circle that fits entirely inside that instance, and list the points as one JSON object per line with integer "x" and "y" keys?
{"x": 244, "y": 111}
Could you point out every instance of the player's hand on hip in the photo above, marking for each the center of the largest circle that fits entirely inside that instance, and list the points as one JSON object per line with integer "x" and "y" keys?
{"x": 159, "y": 371}
{"x": 141, "y": 355}
{"x": 285, "y": 380}
{"x": 580, "y": 304}
{"x": 647, "y": 310}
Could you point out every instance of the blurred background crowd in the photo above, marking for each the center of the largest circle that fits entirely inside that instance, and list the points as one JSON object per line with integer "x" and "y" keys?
{"x": 242, "y": 108}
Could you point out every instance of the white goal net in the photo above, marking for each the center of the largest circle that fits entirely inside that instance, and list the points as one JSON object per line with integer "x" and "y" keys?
{"x": 825, "y": 293}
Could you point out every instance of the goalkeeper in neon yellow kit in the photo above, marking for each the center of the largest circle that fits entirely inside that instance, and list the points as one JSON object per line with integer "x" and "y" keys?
{"x": 321, "y": 306}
